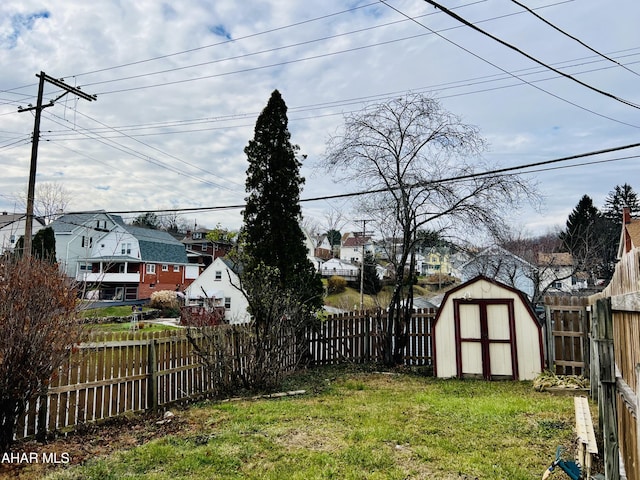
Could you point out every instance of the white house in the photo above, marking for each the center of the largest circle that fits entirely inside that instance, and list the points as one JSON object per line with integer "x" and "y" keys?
{"x": 219, "y": 283}
{"x": 12, "y": 227}
{"x": 352, "y": 247}
{"x": 335, "y": 266}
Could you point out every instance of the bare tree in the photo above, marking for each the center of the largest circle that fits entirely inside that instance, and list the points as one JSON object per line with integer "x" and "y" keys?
{"x": 39, "y": 323}
{"x": 51, "y": 199}
{"x": 424, "y": 168}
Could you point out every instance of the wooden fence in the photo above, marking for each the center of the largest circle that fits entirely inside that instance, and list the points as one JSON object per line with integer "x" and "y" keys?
{"x": 616, "y": 364}
{"x": 567, "y": 334}
{"x": 357, "y": 337}
{"x": 116, "y": 373}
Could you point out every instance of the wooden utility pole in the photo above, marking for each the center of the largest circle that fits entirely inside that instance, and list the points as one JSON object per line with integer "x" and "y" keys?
{"x": 28, "y": 227}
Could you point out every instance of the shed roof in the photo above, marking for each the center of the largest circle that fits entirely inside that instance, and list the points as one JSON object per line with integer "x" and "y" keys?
{"x": 519, "y": 293}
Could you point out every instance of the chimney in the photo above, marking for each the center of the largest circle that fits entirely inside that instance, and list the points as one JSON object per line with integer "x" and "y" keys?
{"x": 626, "y": 215}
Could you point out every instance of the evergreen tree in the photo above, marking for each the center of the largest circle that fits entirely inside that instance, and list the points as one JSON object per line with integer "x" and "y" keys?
{"x": 620, "y": 197}
{"x": 580, "y": 232}
{"x": 43, "y": 245}
{"x": 272, "y": 234}
{"x": 371, "y": 281}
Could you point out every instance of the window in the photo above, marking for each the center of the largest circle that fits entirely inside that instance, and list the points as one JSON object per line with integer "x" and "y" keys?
{"x": 218, "y": 275}
{"x": 121, "y": 268}
{"x": 176, "y": 268}
{"x": 101, "y": 224}
{"x": 151, "y": 268}
{"x": 125, "y": 249}
{"x": 204, "y": 247}
{"x": 12, "y": 239}
{"x": 165, "y": 268}
{"x": 87, "y": 241}
{"x": 227, "y": 302}
{"x": 197, "y": 235}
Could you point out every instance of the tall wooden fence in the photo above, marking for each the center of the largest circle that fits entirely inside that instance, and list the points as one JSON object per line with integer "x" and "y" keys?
{"x": 567, "y": 334}
{"x": 616, "y": 364}
{"x": 115, "y": 374}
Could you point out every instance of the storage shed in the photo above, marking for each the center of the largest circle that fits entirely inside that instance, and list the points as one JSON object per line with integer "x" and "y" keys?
{"x": 486, "y": 329}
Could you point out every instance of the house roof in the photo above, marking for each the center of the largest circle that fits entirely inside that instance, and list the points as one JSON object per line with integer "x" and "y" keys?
{"x": 630, "y": 237}
{"x": 521, "y": 295}
{"x": 7, "y": 219}
{"x": 158, "y": 245}
{"x": 562, "y": 259}
{"x": 495, "y": 250}
{"x": 67, "y": 223}
{"x": 356, "y": 241}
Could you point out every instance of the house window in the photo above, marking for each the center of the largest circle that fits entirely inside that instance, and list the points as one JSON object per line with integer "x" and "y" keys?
{"x": 87, "y": 241}
{"x": 101, "y": 224}
{"x": 165, "y": 268}
{"x": 227, "y": 303}
{"x": 204, "y": 247}
{"x": 12, "y": 239}
{"x": 176, "y": 268}
{"x": 125, "y": 249}
{"x": 121, "y": 268}
{"x": 197, "y": 235}
{"x": 151, "y": 268}
{"x": 218, "y": 275}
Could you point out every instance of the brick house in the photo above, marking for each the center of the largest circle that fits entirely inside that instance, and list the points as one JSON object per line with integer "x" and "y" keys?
{"x": 116, "y": 261}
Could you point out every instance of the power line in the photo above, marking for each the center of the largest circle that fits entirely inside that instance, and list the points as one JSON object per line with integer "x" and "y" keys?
{"x": 495, "y": 172}
{"x": 539, "y": 17}
{"x": 530, "y": 57}
{"x": 507, "y": 72}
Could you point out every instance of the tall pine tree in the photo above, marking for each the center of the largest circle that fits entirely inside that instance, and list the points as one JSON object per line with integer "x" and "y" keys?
{"x": 272, "y": 215}
{"x": 580, "y": 233}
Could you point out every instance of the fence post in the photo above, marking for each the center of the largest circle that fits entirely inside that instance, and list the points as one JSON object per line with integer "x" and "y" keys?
{"x": 43, "y": 412}
{"x": 607, "y": 398}
{"x": 152, "y": 375}
{"x": 551, "y": 352}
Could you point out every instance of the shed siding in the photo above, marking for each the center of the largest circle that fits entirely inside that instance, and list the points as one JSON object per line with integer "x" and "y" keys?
{"x": 528, "y": 345}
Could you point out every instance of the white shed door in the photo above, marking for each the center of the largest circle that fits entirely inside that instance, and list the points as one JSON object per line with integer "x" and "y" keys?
{"x": 485, "y": 339}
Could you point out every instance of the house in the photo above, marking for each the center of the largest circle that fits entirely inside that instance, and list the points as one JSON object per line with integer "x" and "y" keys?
{"x": 201, "y": 250}
{"x": 323, "y": 248}
{"x": 558, "y": 273}
{"x": 630, "y": 233}
{"x": 435, "y": 260}
{"x": 116, "y": 261}
{"x": 500, "y": 264}
{"x": 487, "y": 329}
{"x": 335, "y": 266}
{"x": 218, "y": 285}
{"x": 353, "y": 245}
{"x": 12, "y": 227}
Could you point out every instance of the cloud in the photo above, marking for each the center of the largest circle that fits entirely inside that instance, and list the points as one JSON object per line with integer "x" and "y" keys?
{"x": 180, "y": 86}
{"x": 12, "y": 28}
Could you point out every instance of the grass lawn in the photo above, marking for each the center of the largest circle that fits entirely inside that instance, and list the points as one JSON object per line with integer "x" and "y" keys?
{"x": 349, "y": 425}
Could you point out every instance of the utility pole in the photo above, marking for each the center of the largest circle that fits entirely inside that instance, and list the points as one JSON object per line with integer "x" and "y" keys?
{"x": 28, "y": 227}
{"x": 364, "y": 233}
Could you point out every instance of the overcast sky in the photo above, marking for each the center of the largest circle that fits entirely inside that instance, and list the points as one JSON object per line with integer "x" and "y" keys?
{"x": 180, "y": 84}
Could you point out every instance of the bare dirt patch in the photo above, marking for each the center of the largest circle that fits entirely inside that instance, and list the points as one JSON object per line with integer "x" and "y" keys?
{"x": 90, "y": 441}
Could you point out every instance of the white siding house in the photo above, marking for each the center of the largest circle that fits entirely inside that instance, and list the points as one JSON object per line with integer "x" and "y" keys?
{"x": 219, "y": 281}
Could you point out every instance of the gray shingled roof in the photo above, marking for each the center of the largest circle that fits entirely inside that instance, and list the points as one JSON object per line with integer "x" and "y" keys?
{"x": 158, "y": 245}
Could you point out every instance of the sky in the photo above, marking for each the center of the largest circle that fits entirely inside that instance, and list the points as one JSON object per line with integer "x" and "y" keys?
{"x": 180, "y": 85}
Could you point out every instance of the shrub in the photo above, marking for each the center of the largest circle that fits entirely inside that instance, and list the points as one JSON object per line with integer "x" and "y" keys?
{"x": 165, "y": 300}
{"x": 336, "y": 284}
{"x": 39, "y": 325}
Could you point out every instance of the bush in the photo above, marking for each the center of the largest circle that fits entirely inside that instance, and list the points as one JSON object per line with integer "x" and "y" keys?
{"x": 336, "y": 284}
{"x": 165, "y": 300}
{"x": 39, "y": 325}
